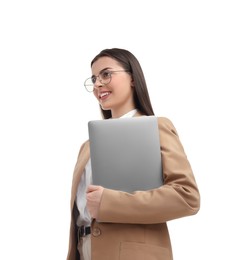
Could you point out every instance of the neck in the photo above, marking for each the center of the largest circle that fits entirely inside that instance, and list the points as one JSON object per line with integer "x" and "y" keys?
{"x": 117, "y": 114}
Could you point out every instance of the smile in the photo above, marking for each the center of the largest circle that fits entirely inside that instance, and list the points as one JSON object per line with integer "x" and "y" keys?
{"x": 104, "y": 95}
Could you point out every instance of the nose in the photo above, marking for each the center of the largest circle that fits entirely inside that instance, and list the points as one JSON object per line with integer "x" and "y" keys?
{"x": 97, "y": 83}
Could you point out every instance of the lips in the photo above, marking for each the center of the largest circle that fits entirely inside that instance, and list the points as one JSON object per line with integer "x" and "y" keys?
{"x": 103, "y": 95}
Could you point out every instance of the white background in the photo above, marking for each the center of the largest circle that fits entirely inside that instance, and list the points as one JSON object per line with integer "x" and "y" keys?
{"x": 196, "y": 60}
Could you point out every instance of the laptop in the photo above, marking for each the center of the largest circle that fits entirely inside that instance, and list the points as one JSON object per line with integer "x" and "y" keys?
{"x": 125, "y": 153}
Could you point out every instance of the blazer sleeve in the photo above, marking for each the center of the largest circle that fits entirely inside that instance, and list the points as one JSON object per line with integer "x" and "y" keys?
{"x": 178, "y": 197}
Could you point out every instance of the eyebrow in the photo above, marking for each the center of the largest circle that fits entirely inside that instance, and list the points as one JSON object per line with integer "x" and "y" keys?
{"x": 107, "y": 68}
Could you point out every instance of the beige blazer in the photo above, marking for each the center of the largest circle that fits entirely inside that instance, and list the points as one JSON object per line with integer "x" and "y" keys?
{"x": 134, "y": 226}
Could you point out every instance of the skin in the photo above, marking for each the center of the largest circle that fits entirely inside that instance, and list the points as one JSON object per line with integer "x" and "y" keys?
{"x": 119, "y": 100}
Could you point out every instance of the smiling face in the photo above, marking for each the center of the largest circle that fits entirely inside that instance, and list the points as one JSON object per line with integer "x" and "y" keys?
{"x": 117, "y": 95}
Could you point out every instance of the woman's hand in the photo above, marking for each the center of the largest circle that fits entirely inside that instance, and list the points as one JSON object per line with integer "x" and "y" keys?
{"x": 94, "y": 194}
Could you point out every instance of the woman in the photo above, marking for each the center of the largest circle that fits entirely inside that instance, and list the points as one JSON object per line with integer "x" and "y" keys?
{"x": 108, "y": 224}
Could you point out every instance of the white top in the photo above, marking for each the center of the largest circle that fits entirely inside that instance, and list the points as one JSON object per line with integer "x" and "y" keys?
{"x": 84, "y": 217}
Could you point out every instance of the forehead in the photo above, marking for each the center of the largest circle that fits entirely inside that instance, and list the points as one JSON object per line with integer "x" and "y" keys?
{"x": 104, "y": 62}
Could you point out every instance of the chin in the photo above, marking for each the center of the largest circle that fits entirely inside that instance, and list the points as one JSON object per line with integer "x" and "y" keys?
{"x": 105, "y": 107}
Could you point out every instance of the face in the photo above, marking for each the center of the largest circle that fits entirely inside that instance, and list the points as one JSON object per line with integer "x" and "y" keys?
{"x": 117, "y": 95}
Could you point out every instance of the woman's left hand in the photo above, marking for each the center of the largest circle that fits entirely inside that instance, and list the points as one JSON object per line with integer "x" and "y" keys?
{"x": 94, "y": 194}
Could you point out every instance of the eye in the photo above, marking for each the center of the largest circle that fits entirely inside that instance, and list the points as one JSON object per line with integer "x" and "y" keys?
{"x": 105, "y": 74}
{"x": 93, "y": 79}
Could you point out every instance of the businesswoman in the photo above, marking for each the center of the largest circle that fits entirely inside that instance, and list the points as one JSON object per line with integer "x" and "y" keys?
{"x": 114, "y": 225}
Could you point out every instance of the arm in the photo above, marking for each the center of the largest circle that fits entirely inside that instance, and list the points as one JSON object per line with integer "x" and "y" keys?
{"x": 178, "y": 197}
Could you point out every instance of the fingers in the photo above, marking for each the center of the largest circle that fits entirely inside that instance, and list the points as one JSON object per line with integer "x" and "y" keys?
{"x": 92, "y": 188}
{"x": 93, "y": 196}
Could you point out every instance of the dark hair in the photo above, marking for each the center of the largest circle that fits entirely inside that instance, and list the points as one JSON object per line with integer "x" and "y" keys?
{"x": 129, "y": 62}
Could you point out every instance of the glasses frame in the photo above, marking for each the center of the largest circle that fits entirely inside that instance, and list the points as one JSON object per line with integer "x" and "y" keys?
{"x": 100, "y": 80}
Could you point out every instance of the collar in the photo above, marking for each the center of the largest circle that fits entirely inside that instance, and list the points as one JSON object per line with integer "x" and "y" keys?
{"x": 130, "y": 113}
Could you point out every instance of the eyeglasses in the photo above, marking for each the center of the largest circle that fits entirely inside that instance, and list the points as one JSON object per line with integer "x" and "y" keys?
{"x": 104, "y": 77}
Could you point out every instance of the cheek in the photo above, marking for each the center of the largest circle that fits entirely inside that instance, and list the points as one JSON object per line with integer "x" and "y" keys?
{"x": 95, "y": 94}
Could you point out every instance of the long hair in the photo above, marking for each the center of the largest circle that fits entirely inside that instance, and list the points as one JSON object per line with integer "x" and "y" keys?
{"x": 129, "y": 62}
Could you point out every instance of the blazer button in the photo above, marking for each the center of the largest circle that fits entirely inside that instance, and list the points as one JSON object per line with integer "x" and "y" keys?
{"x": 96, "y": 232}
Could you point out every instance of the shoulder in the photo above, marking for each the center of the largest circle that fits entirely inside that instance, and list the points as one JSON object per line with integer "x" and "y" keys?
{"x": 165, "y": 124}
{"x": 83, "y": 147}
{"x": 164, "y": 120}
{"x": 85, "y": 144}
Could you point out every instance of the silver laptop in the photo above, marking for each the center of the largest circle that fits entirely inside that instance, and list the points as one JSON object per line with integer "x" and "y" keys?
{"x": 125, "y": 153}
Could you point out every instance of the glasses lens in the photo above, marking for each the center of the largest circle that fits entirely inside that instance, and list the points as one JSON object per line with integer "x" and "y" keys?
{"x": 89, "y": 84}
{"x": 105, "y": 77}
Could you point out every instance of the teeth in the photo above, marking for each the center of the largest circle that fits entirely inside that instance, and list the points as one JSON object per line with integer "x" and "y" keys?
{"x": 104, "y": 94}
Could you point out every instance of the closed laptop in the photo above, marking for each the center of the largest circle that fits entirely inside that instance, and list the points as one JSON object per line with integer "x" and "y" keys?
{"x": 125, "y": 153}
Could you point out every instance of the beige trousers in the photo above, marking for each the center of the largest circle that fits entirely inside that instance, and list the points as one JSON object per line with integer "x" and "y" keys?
{"x": 84, "y": 247}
